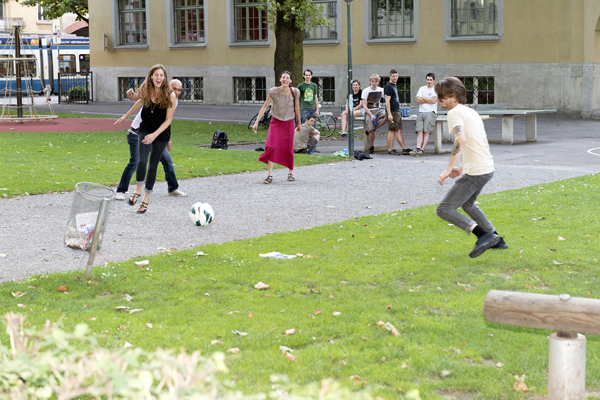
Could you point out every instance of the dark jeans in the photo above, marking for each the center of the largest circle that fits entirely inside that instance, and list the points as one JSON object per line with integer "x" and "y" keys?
{"x": 166, "y": 160}
{"x": 463, "y": 194}
{"x": 304, "y": 114}
{"x": 153, "y": 151}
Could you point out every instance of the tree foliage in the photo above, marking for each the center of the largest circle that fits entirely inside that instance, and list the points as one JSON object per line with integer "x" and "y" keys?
{"x": 57, "y": 8}
{"x": 288, "y": 19}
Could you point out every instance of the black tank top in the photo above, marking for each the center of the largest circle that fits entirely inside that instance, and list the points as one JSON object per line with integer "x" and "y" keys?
{"x": 152, "y": 118}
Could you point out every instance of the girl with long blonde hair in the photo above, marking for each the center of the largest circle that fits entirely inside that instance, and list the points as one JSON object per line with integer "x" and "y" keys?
{"x": 158, "y": 102}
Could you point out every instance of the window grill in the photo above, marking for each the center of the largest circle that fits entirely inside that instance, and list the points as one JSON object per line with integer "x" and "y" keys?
{"x": 250, "y": 23}
{"x": 132, "y": 22}
{"x": 474, "y": 17}
{"x": 392, "y": 18}
{"x": 326, "y": 89}
{"x": 128, "y": 83}
{"x": 192, "y": 90}
{"x": 480, "y": 89}
{"x": 403, "y": 86}
{"x": 249, "y": 89}
{"x": 189, "y": 21}
{"x": 328, "y": 11}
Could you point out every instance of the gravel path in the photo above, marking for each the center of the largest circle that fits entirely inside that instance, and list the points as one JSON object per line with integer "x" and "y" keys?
{"x": 32, "y": 227}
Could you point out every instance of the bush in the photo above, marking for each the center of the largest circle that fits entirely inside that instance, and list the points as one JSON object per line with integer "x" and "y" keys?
{"x": 45, "y": 364}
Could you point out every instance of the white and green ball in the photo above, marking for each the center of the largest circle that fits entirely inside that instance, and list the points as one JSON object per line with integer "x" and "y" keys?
{"x": 202, "y": 214}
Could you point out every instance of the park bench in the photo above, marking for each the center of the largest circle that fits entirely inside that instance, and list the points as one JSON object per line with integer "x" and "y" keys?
{"x": 569, "y": 316}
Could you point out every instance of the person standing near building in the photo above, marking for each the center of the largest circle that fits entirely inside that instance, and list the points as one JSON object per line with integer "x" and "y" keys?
{"x": 279, "y": 147}
{"x": 166, "y": 160}
{"x": 158, "y": 102}
{"x": 309, "y": 100}
{"x": 470, "y": 145}
{"x": 392, "y": 105}
{"x": 374, "y": 115}
{"x": 427, "y": 115}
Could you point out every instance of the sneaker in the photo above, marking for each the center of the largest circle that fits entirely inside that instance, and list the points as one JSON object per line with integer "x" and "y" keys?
{"x": 371, "y": 150}
{"x": 406, "y": 152}
{"x": 393, "y": 152}
{"x": 120, "y": 196}
{"x": 414, "y": 152}
{"x": 419, "y": 153}
{"x": 344, "y": 133}
{"x": 485, "y": 242}
{"x": 177, "y": 193}
{"x": 501, "y": 245}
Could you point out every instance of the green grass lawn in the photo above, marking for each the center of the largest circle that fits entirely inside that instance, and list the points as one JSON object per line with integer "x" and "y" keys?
{"x": 408, "y": 268}
{"x": 34, "y": 163}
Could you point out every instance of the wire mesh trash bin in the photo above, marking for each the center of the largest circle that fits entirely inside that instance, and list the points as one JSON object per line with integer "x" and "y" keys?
{"x": 87, "y": 219}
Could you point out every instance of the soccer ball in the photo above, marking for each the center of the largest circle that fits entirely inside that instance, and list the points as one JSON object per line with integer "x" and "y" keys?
{"x": 202, "y": 214}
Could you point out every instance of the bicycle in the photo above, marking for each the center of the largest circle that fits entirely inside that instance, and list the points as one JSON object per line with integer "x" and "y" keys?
{"x": 264, "y": 121}
{"x": 326, "y": 124}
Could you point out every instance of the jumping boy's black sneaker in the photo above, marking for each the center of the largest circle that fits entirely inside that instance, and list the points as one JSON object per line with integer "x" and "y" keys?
{"x": 485, "y": 242}
{"x": 371, "y": 150}
{"x": 501, "y": 245}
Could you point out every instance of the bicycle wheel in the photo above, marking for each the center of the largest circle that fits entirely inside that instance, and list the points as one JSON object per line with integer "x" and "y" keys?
{"x": 327, "y": 125}
{"x": 251, "y": 123}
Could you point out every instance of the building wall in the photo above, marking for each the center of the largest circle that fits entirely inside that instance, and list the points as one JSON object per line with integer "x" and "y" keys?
{"x": 547, "y": 56}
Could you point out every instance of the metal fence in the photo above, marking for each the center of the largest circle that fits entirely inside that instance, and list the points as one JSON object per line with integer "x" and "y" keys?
{"x": 192, "y": 89}
{"x": 480, "y": 89}
{"x": 129, "y": 83}
{"x": 249, "y": 89}
{"x": 75, "y": 87}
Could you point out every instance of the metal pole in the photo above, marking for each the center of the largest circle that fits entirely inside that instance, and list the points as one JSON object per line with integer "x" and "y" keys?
{"x": 350, "y": 108}
{"x": 18, "y": 70}
{"x": 98, "y": 228}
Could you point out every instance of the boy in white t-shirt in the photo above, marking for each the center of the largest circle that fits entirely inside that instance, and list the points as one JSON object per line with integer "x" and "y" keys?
{"x": 470, "y": 145}
{"x": 427, "y": 115}
{"x": 374, "y": 115}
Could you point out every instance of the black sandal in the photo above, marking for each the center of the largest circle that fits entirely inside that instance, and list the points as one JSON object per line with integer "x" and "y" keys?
{"x": 268, "y": 180}
{"x": 134, "y": 196}
{"x": 144, "y": 205}
{"x": 291, "y": 178}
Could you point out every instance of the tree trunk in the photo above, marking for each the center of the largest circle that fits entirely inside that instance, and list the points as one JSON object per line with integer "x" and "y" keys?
{"x": 289, "y": 49}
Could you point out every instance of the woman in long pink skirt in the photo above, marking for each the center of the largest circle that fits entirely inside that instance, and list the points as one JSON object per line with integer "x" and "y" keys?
{"x": 279, "y": 148}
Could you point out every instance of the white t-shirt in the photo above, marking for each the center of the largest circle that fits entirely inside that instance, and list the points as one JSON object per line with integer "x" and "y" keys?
{"x": 425, "y": 93}
{"x": 138, "y": 118}
{"x": 476, "y": 156}
{"x": 373, "y": 96}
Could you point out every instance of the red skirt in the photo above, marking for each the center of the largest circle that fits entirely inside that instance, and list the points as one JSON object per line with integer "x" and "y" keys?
{"x": 279, "y": 147}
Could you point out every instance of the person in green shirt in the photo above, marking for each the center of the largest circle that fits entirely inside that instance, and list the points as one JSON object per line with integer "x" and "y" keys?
{"x": 309, "y": 101}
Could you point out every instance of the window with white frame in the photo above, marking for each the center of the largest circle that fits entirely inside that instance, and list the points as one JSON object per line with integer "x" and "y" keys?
{"x": 249, "y": 89}
{"x": 250, "y": 23}
{"x": 474, "y": 17}
{"x": 40, "y": 14}
{"x": 323, "y": 32}
{"x": 189, "y": 21}
{"x": 132, "y": 22}
{"x": 392, "y": 18}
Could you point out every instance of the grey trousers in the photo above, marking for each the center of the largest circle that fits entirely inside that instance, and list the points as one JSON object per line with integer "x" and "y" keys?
{"x": 463, "y": 194}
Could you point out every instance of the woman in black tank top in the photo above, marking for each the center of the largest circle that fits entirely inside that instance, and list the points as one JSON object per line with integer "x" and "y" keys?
{"x": 158, "y": 104}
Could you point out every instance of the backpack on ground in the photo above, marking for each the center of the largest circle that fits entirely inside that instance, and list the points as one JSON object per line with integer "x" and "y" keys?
{"x": 219, "y": 140}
